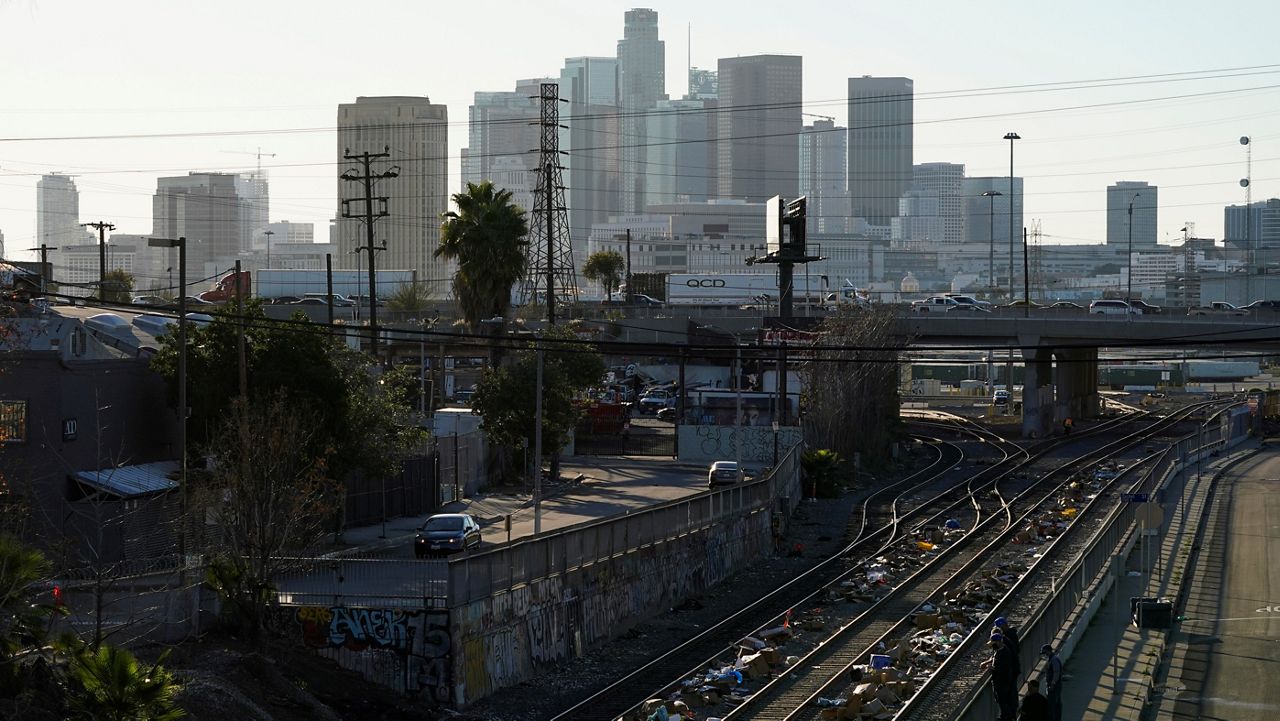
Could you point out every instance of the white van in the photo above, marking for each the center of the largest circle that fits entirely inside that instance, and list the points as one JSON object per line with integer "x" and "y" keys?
{"x": 1112, "y": 307}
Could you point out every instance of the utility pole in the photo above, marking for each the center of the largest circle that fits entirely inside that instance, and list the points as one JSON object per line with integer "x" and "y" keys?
{"x": 1026, "y": 279}
{"x": 368, "y": 216}
{"x": 630, "y": 293}
{"x": 244, "y": 370}
{"x": 537, "y": 448}
{"x": 328, "y": 285}
{"x": 102, "y": 227}
{"x": 44, "y": 265}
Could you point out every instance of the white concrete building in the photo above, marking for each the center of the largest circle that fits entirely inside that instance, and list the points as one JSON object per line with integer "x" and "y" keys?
{"x": 416, "y": 134}
{"x": 945, "y": 181}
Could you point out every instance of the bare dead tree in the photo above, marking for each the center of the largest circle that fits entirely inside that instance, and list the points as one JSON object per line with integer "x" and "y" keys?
{"x": 266, "y": 494}
{"x": 851, "y": 395}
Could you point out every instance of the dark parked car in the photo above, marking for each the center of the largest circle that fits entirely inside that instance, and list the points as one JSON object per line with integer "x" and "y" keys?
{"x": 285, "y": 300}
{"x": 1066, "y": 305}
{"x": 1264, "y": 305}
{"x": 1146, "y": 308}
{"x": 446, "y": 533}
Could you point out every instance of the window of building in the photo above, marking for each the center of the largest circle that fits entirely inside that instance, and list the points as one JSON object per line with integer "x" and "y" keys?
{"x": 13, "y": 421}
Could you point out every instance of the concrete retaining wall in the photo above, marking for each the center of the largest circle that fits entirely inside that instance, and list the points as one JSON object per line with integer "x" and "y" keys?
{"x": 509, "y": 637}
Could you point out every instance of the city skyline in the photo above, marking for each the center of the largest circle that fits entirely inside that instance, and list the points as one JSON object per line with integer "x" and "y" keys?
{"x": 285, "y": 104}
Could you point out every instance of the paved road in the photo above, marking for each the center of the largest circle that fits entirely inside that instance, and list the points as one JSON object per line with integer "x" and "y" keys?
{"x": 1233, "y": 633}
{"x": 613, "y": 486}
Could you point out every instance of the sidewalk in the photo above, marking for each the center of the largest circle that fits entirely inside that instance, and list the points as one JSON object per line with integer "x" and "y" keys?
{"x": 1112, "y": 671}
{"x": 610, "y": 486}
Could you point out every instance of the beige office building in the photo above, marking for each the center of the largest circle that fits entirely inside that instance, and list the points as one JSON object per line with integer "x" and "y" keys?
{"x": 415, "y": 133}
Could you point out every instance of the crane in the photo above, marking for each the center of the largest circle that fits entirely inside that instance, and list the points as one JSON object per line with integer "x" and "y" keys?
{"x": 258, "y": 153}
{"x": 815, "y": 115}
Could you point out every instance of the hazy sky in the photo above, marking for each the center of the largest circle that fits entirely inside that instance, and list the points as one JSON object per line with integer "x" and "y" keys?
{"x": 240, "y": 75}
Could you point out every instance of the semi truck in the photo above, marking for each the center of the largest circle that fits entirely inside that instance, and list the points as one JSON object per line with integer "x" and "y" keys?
{"x": 278, "y": 283}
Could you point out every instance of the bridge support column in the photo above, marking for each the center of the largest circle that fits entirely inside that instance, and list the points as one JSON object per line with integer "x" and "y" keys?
{"x": 1037, "y": 392}
{"x": 1075, "y": 380}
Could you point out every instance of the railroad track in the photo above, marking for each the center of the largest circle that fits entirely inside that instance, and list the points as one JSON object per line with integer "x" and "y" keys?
{"x": 878, "y": 527}
{"x": 826, "y": 672}
{"x": 953, "y": 684}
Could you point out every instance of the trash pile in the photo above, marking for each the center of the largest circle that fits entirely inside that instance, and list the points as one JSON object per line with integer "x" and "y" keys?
{"x": 729, "y": 682}
{"x": 877, "y": 578}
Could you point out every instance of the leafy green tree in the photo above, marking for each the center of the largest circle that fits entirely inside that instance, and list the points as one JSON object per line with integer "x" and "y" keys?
{"x": 117, "y": 286}
{"x": 361, "y": 417}
{"x": 485, "y": 236}
{"x": 110, "y": 684}
{"x": 606, "y": 268}
{"x": 820, "y": 468}
{"x": 506, "y": 396}
{"x": 411, "y": 298}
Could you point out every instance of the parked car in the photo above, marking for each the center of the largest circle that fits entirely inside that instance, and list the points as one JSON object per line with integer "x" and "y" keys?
{"x": 934, "y": 304}
{"x": 1000, "y": 397}
{"x": 1218, "y": 307}
{"x": 284, "y": 300}
{"x": 339, "y": 300}
{"x": 1020, "y": 303}
{"x": 667, "y": 414}
{"x": 722, "y": 473}
{"x": 1066, "y": 305}
{"x": 1263, "y": 305}
{"x": 1144, "y": 307}
{"x": 149, "y": 300}
{"x": 656, "y": 400}
{"x": 310, "y": 301}
{"x": 968, "y": 300}
{"x": 1112, "y": 307}
{"x": 446, "y": 533}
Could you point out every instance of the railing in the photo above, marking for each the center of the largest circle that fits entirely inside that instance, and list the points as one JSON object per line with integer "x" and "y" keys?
{"x": 523, "y": 561}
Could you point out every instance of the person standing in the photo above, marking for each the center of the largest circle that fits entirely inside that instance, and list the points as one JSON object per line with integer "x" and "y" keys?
{"x": 1053, "y": 681}
{"x": 1010, "y": 635}
{"x": 1004, "y": 678}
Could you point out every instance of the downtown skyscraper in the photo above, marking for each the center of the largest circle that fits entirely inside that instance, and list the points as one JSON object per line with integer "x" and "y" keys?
{"x": 415, "y": 132}
{"x": 824, "y": 156}
{"x": 1145, "y": 200}
{"x": 641, "y": 85}
{"x": 758, "y": 120}
{"x": 881, "y": 143}
{"x": 590, "y": 138}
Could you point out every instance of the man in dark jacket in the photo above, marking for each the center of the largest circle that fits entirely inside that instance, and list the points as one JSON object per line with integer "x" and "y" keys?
{"x": 1004, "y": 677}
{"x": 1010, "y": 635}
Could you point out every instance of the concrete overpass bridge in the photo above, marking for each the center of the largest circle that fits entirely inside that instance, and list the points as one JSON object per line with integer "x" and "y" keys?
{"x": 1060, "y": 352}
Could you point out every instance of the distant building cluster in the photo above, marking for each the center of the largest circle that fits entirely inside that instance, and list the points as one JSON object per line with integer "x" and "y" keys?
{"x": 688, "y": 174}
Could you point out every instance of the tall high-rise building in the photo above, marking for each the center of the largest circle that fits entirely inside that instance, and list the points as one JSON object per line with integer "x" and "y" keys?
{"x": 591, "y": 138}
{"x": 642, "y": 82}
{"x": 416, "y": 134}
{"x": 680, "y": 156}
{"x": 987, "y": 218}
{"x": 502, "y": 126}
{"x": 757, "y": 156}
{"x": 2, "y": 255}
{"x": 946, "y": 182}
{"x": 205, "y": 209}
{"x": 1254, "y": 226}
{"x": 255, "y": 214}
{"x": 881, "y": 141}
{"x": 58, "y": 211}
{"x": 1145, "y": 199}
{"x": 284, "y": 231}
{"x": 919, "y": 218}
{"x": 824, "y": 157}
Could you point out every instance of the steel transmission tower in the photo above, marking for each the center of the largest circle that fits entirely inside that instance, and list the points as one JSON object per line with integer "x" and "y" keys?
{"x": 549, "y": 268}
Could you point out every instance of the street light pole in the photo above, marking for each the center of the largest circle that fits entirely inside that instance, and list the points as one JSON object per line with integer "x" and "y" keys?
{"x": 1011, "y": 136}
{"x": 537, "y": 448}
{"x": 991, "y": 251}
{"x": 268, "y": 233}
{"x": 1128, "y": 295}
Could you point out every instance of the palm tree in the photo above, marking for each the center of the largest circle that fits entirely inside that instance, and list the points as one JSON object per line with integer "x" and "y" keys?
{"x": 114, "y": 686}
{"x": 605, "y": 267}
{"x": 21, "y": 620}
{"x": 485, "y": 236}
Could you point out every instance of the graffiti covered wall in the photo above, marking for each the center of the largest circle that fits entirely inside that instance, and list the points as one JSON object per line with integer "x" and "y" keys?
{"x": 721, "y": 443}
{"x": 407, "y": 650}
{"x": 507, "y": 638}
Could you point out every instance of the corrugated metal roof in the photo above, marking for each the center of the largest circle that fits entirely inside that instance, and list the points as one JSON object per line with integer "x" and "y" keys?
{"x": 130, "y": 481}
